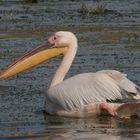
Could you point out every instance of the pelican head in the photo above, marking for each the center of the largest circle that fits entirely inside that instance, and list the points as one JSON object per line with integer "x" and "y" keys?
{"x": 61, "y": 41}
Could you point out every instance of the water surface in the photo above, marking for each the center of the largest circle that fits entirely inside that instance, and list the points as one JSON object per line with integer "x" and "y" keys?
{"x": 106, "y": 41}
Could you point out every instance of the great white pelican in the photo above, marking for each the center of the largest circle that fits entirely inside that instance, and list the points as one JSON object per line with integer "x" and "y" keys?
{"x": 83, "y": 95}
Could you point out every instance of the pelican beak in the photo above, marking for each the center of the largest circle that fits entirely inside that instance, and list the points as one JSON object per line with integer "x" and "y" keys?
{"x": 31, "y": 59}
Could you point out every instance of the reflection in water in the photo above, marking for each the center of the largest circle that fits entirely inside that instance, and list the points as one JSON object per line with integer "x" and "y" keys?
{"x": 66, "y": 129}
{"x": 106, "y": 41}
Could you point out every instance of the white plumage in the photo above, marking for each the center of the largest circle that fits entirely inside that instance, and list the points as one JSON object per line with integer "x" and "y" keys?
{"x": 87, "y": 88}
{"x": 82, "y": 95}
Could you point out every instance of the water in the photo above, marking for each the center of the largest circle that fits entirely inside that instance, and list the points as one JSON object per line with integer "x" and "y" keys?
{"x": 106, "y": 41}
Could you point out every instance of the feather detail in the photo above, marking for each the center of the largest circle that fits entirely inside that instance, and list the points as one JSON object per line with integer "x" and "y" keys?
{"x": 87, "y": 88}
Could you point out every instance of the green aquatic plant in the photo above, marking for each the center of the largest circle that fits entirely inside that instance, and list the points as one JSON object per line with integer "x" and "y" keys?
{"x": 1, "y": 55}
{"x": 133, "y": 44}
{"x": 31, "y": 1}
{"x": 138, "y": 27}
{"x": 132, "y": 36}
{"x": 98, "y": 9}
{"x": 83, "y": 9}
{"x": 9, "y": 16}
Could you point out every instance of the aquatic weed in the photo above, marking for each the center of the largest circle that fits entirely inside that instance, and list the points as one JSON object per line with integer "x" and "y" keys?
{"x": 98, "y": 9}
{"x": 31, "y": 1}
{"x": 9, "y": 16}
{"x": 133, "y": 36}
{"x": 133, "y": 44}
{"x": 138, "y": 27}
{"x": 83, "y": 9}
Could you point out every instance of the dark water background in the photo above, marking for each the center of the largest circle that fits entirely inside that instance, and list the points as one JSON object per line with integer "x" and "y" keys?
{"x": 106, "y": 41}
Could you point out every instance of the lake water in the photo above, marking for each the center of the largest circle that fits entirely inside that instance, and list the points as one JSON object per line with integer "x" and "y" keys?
{"x": 106, "y": 41}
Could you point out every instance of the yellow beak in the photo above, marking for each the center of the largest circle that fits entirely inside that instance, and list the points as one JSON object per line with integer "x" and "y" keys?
{"x": 27, "y": 61}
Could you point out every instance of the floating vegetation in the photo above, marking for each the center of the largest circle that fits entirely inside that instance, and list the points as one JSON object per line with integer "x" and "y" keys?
{"x": 133, "y": 44}
{"x": 133, "y": 36}
{"x": 31, "y": 1}
{"x": 83, "y": 9}
{"x": 119, "y": 35}
{"x": 9, "y": 16}
{"x": 138, "y": 27}
{"x": 99, "y": 9}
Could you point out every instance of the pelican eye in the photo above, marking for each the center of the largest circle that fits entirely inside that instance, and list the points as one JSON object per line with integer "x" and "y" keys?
{"x": 54, "y": 38}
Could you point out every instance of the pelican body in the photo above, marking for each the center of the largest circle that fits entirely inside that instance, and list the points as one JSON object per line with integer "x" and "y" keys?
{"x": 83, "y": 95}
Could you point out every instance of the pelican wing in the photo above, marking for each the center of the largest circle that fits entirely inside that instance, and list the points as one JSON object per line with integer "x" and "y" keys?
{"x": 122, "y": 80}
{"x": 86, "y": 88}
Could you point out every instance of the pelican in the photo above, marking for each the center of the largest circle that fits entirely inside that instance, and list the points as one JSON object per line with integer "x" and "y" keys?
{"x": 83, "y": 95}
